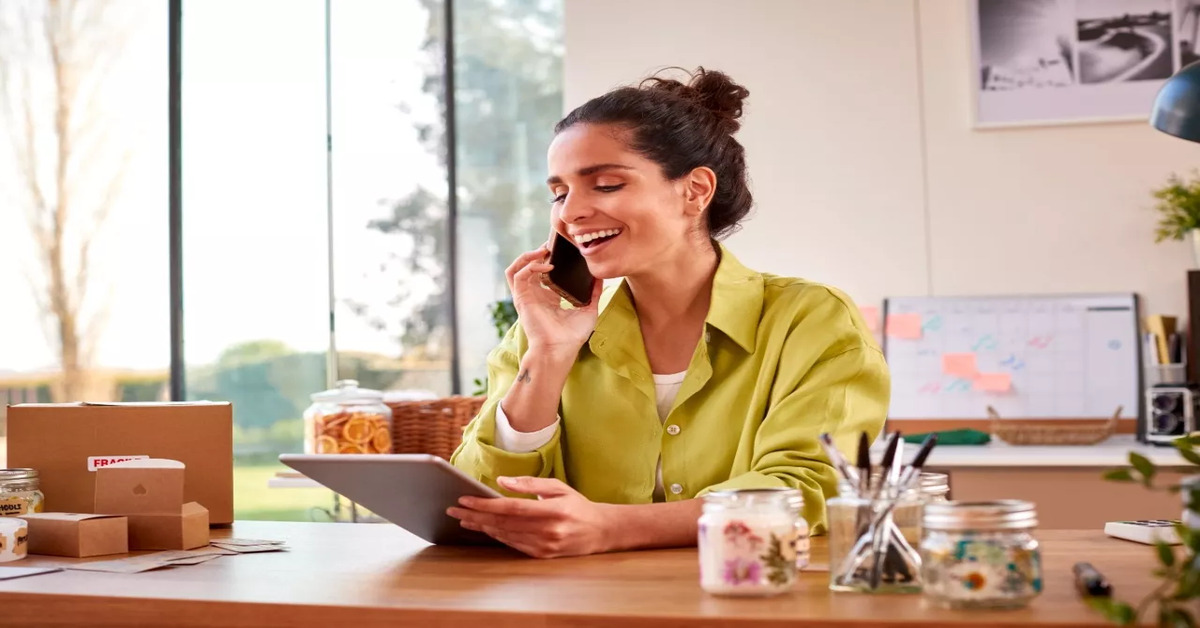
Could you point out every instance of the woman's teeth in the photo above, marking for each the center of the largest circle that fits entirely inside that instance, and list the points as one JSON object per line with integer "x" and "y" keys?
{"x": 595, "y": 235}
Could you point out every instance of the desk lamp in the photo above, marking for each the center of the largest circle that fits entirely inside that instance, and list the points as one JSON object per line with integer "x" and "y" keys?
{"x": 1177, "y": 106}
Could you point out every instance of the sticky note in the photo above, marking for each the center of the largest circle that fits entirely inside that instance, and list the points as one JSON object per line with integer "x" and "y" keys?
{"x": 871, "y": 316}
{"x": 994, "y": 382}
{"x": 960, "y": 365}
{"x": 904, "y": 326}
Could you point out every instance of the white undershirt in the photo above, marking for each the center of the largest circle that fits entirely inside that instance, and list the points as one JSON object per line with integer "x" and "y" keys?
{"x": 666, "y": 388}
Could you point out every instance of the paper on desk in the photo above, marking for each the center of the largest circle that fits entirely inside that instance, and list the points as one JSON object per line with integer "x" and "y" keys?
{"x": 245, "y": 542}
{"x": 906, "y": 326}
{"x": 994, "y": 382}
{"x": 960, "y": 365}
{"x": 249, "y": 549}
{"x": 8, "y": 573}
{"x": 121, "y": 565}
{"x": 194, "y": 560}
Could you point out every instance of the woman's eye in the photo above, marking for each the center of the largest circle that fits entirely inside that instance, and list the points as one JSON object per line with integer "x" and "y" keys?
{"x": 558, "y": 199}
{"x": 609, "y": 188}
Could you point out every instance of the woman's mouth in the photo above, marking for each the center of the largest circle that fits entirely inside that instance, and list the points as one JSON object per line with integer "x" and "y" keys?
{"x": 592, "y": 242}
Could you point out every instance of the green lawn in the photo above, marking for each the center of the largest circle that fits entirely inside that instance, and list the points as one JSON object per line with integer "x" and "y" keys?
{"x": 253, "y": 500}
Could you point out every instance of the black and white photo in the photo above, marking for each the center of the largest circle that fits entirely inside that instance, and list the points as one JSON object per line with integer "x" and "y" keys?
{"x": 1187, "y": 30}
{"x": 1076, "y": 61}
{"x": 1024, "y": 44}
{"x": 1124, "y": 40}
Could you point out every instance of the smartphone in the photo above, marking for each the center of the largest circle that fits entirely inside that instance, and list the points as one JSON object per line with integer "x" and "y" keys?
{"x": 570, "y": 277}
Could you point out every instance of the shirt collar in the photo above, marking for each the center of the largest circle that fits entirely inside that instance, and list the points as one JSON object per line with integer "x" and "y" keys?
{"x": 735, "y": 307}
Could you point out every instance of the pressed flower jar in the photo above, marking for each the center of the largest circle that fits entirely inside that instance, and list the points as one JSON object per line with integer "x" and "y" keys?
{"x": 752, "y": 542}
{"x": 981, "y": 554}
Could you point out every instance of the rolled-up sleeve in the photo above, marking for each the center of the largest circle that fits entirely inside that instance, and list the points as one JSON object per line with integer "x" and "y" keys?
{"x": 844, "y": 394}
{"x": 479, "y": 455}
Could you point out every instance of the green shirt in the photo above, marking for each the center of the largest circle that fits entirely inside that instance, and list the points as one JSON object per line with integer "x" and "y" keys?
{"x": 782, "y": 360}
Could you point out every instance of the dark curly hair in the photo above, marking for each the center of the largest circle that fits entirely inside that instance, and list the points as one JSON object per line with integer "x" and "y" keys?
{"x": 681, "y": 127}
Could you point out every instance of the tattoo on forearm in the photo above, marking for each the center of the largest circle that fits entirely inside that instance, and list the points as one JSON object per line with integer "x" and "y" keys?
{"x": 524, "y": 377}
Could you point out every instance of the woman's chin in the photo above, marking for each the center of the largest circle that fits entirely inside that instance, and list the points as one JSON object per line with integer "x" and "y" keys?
{"x": 605, "y": 271}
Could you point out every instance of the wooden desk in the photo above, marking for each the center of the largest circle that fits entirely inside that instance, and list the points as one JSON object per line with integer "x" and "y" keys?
{"x": 379, "y": 575}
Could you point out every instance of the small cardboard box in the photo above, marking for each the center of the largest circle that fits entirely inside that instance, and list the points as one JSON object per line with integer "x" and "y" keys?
{"x": 77, "y": 535}
{"x": 150, "y": 494}
{"x": 67, "y": 442}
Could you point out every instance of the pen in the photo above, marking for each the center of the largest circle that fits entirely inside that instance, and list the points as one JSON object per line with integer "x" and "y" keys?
{"x": 837, "y": 460}
{"x": 1090, "y": 582}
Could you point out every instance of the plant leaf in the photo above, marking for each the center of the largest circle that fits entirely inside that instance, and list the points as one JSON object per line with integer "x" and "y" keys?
{"x": 1119, "y": 475}
{"x": 1190, "y": 455}
{"x": 1143, "y": 465}
{"x": 1166, "y": 555}
{"x": 1116, "y": 612}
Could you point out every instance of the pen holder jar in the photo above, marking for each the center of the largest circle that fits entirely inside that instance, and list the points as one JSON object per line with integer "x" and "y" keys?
{"x": 868, "y": 551}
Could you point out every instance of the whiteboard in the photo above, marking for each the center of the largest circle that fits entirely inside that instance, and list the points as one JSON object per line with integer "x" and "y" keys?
{"x": 1065, "y": 356}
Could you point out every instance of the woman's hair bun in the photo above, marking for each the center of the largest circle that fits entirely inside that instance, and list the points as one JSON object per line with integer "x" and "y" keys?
{"x": 712, "y": 90}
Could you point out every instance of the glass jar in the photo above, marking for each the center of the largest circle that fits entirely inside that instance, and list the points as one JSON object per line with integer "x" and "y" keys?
{"x": 348, "y": 420}
{"x": 981, "y": 554}
{"x": 19, "y": 492}
{"x": 752, "y": 541}
{"x": 850, "y": 517}
{"x": 847, "y": 519}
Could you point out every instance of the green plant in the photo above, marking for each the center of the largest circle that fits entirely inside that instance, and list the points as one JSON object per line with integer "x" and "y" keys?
{"x": 1178, "y": 573}
{"x": 504, "y": 316}
{"x": 1178, "y": 207}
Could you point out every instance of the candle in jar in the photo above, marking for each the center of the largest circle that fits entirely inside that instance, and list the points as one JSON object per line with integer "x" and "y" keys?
{"x": 752, "y": 542}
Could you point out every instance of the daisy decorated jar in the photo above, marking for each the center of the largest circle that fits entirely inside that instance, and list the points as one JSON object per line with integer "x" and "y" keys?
{"x": 752, "y": 542}
{"x": 981, "y": 554}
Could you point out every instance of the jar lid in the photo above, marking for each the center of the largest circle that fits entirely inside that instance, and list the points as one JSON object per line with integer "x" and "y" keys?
{"x": 348, "y": 390}
{"x": 18, "y": 474}
{"x": 788, "y": 497}
{"x": 935, "y": 483}
{"x": 1004, "y": 514}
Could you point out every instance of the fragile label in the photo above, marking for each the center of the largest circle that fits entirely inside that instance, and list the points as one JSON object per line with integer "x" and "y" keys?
{"x": 98, "y": 462}
{"x": 13, "y": 506}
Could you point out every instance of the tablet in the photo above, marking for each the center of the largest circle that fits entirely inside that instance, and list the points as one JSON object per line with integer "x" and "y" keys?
{"x": 412, "y": 491}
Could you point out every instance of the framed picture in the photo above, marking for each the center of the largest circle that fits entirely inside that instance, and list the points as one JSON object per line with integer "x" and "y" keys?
{"x": 1076, "y": 61}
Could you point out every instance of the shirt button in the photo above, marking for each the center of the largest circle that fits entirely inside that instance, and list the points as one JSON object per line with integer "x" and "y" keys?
{"x": 672, "y": 429}
{"x": 676, "y": 488}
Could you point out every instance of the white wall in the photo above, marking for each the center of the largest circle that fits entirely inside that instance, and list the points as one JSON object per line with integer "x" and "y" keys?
{"x": 855, "y": 187}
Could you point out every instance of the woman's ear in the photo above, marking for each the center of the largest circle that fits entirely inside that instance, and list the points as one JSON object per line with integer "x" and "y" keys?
{"x": 699, "y": 187}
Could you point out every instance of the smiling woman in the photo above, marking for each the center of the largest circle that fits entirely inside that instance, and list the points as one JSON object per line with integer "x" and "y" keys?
{"x": 691, "y": 374}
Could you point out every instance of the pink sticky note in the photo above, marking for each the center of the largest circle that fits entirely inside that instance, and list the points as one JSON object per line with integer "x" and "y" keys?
{"x": 960, "y": 365}
{"x": 994, "y": 382}
{"x": 904, "y": 326}
{"x": 871, "y": 316}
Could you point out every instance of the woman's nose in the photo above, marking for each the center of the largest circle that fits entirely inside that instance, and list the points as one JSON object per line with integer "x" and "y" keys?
{"x": 574, "y": 208}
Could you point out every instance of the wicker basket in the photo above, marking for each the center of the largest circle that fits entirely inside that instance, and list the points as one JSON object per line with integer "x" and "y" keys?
{"x": 431, "y": 426}
{"x": 1043, "y": 432}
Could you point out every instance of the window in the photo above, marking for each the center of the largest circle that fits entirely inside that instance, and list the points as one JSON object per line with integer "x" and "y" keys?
{"x": 389, "y": 209}
{"x": 83, "y": 186}
{"x": 317, "y": 219}
{"x": 508, "y": 96}
{"x": 255, "y": 230}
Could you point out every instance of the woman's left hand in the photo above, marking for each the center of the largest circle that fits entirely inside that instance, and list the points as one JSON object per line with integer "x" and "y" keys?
{"x": 561, "y": 522}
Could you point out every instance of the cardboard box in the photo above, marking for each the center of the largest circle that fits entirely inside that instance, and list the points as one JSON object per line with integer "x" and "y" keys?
{"x": 66, "y": 443}
{"x": 150, "y": 494}
{"x": 77, "y": 535}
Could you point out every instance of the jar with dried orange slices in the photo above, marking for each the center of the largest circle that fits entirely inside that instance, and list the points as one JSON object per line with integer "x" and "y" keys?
{"x": 348, "y": 420}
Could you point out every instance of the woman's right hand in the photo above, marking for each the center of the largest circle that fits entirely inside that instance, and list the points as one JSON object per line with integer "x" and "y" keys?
{"x": 547, "y": 325}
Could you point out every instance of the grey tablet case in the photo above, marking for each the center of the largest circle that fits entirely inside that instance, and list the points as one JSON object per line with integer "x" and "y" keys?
{"x": 412, "y": 491}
